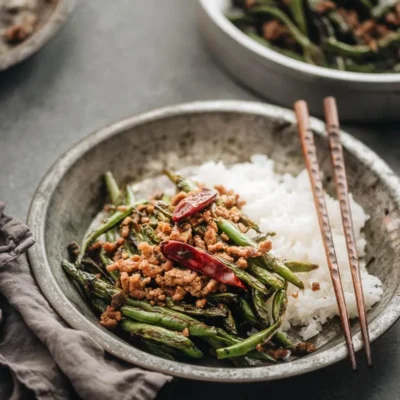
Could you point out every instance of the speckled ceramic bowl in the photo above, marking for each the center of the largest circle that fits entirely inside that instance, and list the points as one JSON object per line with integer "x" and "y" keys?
{"x": 283, "y": 80}
{"x": 72, "y": 193}
{"x": 52, "y": 17}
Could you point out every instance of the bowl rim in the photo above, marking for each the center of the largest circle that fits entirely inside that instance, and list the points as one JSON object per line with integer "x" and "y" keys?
{"x": 58, "y": 17}
{"x": 117, "y": 347}
{"x": 330, "y": 74}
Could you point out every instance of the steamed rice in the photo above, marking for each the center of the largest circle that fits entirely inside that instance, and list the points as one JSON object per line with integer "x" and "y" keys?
{"x": 284, "y": 204}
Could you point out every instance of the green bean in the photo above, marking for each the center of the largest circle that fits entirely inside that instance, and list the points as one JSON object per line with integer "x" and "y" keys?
{"x": 163, "y": 210}
{"x": 300, "y": 266}
{"x": 227, "y": 337}
{"x": 183, "y": 184}
{"x": 355, "y": 52}
{"x": 216, "y": 343}
{"x": 330, "y": 32}
{"x": 93, "y": 266}
{"x": 107, "y": 261}
{"x": 166, "y": 199}
{"x": 298, "y": 13}
{"x": 129, "y": 196}
{"x": 197, "y": 328}
{"x": 261, "y": 356}
{"x": 383, "y": 8}
{"x": 279, "y": 305}
{"x": 280, "y": 268}
{"x": 248, "y": 313}
{"x": 240, "y": 20}
{"x": 168, "y": 321}
{"x": 175, "y": 313}
{"x": 244, "y": 276}
{"x": 111, "y": 236}
{"x": 267, "y": 259}
{"x": 266, "y": 43}
{"x": 339, "y": 22}
{"x": 230, "y": 340}
{"x": 364, "y": 67}
{"x": 158, "y": 349}
{"x": 164, "y": 336}
{"x": 99, "y": 304}
{"x": 93, "y": 285}
{"x": 212, "y": 312}
{"x": 249, "y": 344}
{"x": 363, "y": 52}
{"x": 260, "y": 305}
{"x": 265, "y": 277}
{"x": 112, "y": 188}
{"x": 113, "y": 220}
{"x": 367, "y": 4}
{"x": 302, "y": 40}
{"x": 249, "y": 223}
{"x": 151, "y": 234}
{"x": 263, "y": 237}
{"x": 128, "y": 248}
{"x": 283, "y": 340}
{"x": 229, "y": 321}
{"x": 226, "y": 298}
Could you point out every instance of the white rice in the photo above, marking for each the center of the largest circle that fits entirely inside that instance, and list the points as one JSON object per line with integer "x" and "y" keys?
{"x": 284, "y": 204}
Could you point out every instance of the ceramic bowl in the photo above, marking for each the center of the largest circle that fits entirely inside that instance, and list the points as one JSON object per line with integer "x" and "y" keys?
{"x": 72, "y": 193}
{"x": 51, "y": 19}
{"x": 283, "y": 80}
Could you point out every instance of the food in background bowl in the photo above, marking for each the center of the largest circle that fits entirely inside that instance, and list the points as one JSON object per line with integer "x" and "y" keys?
{"x": 19, "y": 19}
{"x": 358, "y": 36}
{"x": 195, "y": 272}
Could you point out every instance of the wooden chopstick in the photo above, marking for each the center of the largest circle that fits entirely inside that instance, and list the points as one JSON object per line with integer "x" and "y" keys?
{"x": 336, "y": 150}
{"x": 310, "y": 155}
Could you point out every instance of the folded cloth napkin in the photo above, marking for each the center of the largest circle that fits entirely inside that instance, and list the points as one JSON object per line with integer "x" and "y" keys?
{"x": 45, "y": 358}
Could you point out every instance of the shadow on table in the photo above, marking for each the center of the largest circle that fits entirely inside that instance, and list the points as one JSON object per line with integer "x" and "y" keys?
{"x": 335, "y": 382}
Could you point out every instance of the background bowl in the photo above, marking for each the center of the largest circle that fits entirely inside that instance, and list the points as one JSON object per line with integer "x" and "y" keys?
{"x": 51, "y": 18}
{"x": 361, "y": 97}
{"x": 139, "y": 147}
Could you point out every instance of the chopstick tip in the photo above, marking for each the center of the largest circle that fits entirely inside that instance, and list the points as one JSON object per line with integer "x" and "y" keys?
{"x": 369, "y": 361}
{"x": 329, "y": 99}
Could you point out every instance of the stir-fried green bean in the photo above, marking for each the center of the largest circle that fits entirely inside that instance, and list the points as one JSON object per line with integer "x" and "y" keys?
{"x": 112, "y": 188}
{"x": 146, "y": 292}
{"x": 300, "y": 266}
{"x": 249, "y": 344}
{"x": 342, "y": 35}
{"x": 212, "y": 312}
{"x": 161, "y": 335}
{"x": 113, "y": 220}
{"x": 167, "y": 321}
{"x": 158, "y": 349}
{"x": 268, "y": 260}
{"x": 130, "y": 198}
{"x": 260, "y": 305}
{"x": 244, "y": 276}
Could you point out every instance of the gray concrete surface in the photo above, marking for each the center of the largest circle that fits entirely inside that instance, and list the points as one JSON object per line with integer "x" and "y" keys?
{"x": 119, "y": 58}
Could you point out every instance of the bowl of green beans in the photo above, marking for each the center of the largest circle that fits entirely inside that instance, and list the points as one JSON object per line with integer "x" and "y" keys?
{"x": 74, "y": 191}
{"x": 285, "y": 50}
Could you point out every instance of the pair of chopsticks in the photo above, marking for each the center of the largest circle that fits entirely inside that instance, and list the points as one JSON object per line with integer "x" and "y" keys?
{"x": 336, "y": 151}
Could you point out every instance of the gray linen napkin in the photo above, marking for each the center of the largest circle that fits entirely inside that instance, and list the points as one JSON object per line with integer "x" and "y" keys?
{"x": 41, "y": 352}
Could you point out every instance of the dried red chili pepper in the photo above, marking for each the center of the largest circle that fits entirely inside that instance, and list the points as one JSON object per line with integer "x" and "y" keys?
{"x": 193, "y": 203}
{"x": 200, "y": 261}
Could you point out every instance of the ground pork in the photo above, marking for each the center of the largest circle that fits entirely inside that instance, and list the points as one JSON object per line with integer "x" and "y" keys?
{"x": 178, "y": 197}
{"x": 110, "y": 318}
{"x": 210, "y": 236}
{"x": 199, "y": 242}
{"x": 304, "y": 348}
{"x": 181, "y": 233}
{"x": 201, "y": 303}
